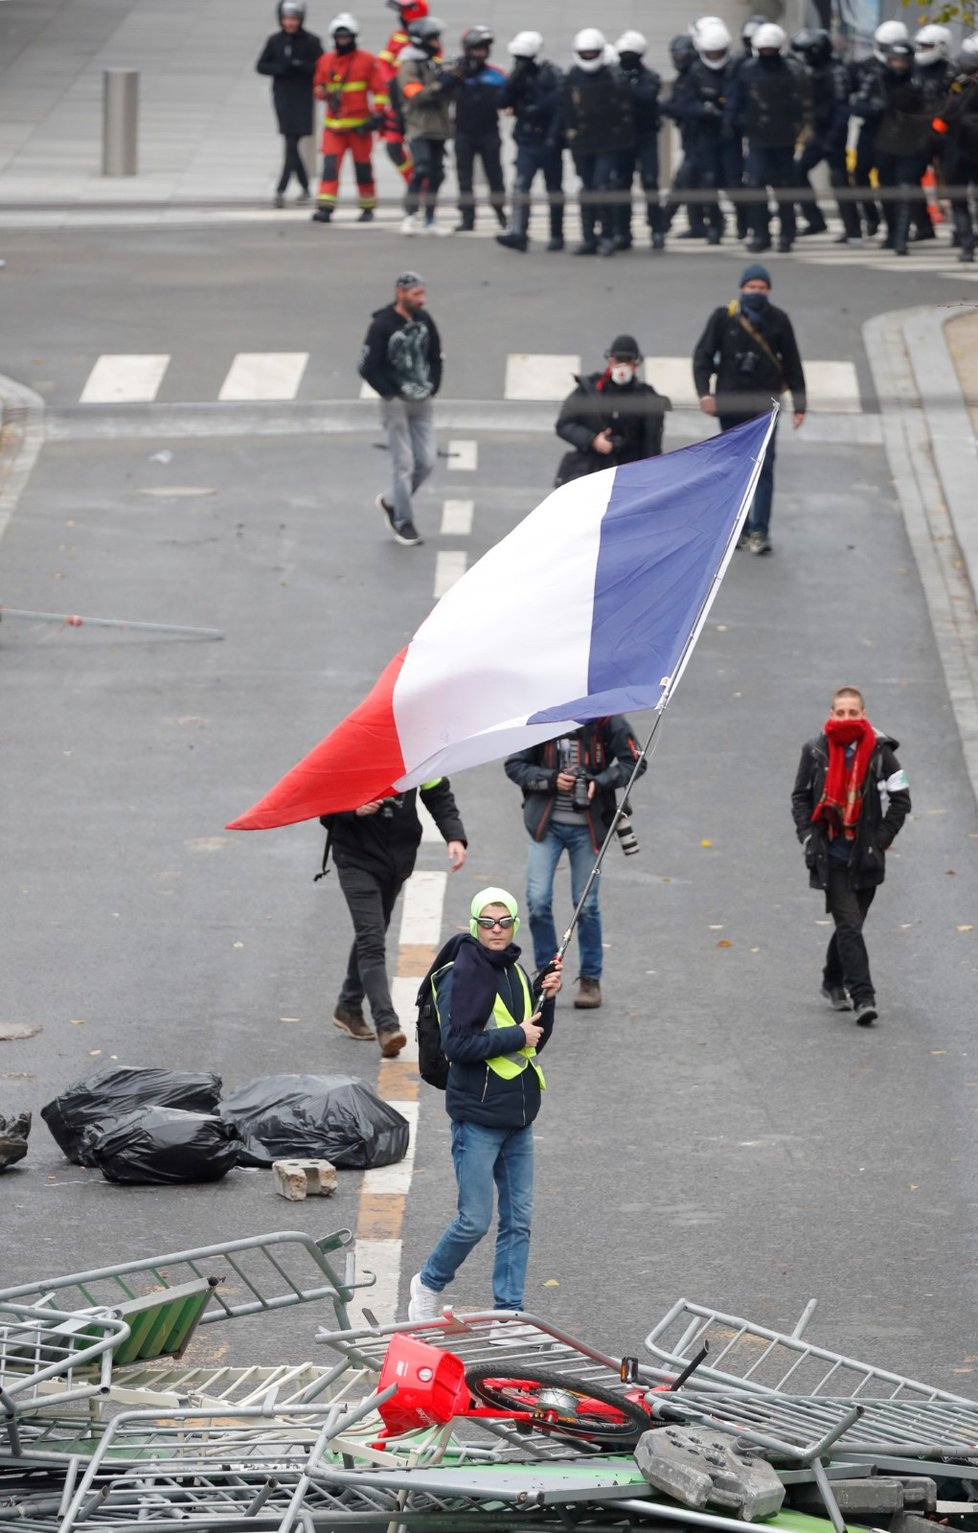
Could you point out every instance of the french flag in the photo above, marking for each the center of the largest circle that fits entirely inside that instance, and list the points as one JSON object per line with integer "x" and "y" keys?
{"x": 591, "y": 606}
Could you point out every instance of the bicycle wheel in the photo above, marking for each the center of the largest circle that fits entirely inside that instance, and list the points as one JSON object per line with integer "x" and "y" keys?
{"x": 562, "y": 1406}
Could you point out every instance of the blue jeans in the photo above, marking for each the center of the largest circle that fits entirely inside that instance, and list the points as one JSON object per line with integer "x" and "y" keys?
{"x": 540, "y": 869}
{"x": 483, "y": 1156}
{"x": 759, "y": 515}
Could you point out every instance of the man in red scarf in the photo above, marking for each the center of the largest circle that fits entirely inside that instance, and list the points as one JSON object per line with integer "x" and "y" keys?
{"x": 850, "y": 798}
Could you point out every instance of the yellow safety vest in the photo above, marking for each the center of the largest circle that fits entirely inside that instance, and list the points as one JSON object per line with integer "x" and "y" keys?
{"x": 509, "y": 1066}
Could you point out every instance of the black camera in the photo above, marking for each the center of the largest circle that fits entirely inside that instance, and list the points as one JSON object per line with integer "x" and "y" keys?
{"x": 747, "y": 363}
{"x": 389, "y": 805}
{"x": 627, "y": 838}
{"x": 580, "y": 799}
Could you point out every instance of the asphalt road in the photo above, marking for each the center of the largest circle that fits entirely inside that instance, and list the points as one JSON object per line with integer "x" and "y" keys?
{"x": 715, "y": 1130}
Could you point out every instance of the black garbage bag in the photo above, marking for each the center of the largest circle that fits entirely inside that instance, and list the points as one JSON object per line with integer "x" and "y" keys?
{"x": 119, "y": 1090}
{"x": 13, "y": 1139}
{"x": 324, "y": 1117}
{"x": 163, "y": 1146}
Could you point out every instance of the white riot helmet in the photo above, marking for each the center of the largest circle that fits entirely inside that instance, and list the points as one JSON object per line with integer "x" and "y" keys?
{"x": 770, "y": 35}
{"x": 526, "y": 45}
{"x": 713, "y": 41}
{"x": 631, "y": 42}
{"x": 703, "y": 21}
{"x": 344, "y": 22}
{"x": 888, "y": 32}
{"x": 931, "y": 44}
{"x": 589, "y": 50}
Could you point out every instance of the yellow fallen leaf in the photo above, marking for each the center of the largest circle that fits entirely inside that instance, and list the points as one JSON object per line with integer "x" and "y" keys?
{"x": 718, "y": 928}
{"x": 237, "y": 944}
{"x": 78, "y": 1021}
{"x": 950, "y": 872}
{"x": 755, "y": 950}
{"x": 724, "y": 942}
{"x": 550, "y": 1283}
{"x": 913, "y": 1186}
{"x": 706, "y": 843}
{"x": 966, "y": 927}
{"x": 938, "y": 1051}
{"x": 93, "y": 1052}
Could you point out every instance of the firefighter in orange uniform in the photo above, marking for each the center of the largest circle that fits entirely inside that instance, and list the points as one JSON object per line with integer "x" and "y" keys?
{"x": 353, "y": 84}
{"x": 393, "y": 130}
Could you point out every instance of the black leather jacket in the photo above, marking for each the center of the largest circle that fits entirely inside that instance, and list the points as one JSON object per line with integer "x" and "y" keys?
{"x": 886, "y": 804}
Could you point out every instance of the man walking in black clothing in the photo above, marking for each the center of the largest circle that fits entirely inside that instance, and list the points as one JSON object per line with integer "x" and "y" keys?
{"x": 749, "y": 347}
{"x": 290, "y": 57}
{"x": 850, "y": 798}
{"x": 401, "y": 360}
{"x": 374, "y": 848}
{"x": 611, "y": 417}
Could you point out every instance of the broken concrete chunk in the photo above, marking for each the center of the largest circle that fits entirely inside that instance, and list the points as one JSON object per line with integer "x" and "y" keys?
{"x": 300, "y": 1179}
{"x": 703, "y": 1468}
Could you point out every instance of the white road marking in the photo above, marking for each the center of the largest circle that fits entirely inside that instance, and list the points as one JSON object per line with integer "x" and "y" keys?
{"x": 424, "y": 899}
{"x": 463, "y": 455}
{"x": 456, "y": 518}
{"x": 383, "y": 1259}
{"x": 539, "y": 375}
{"x": 449, "y": 567}
{"x": 366, "y": 392}
{"x": 832, "y": 387}
{"x": 129, "y": 379}
{"x": 672, "y": 376}
{"x": 264, "y": 375}
{"x": 396, "y": 1178}
{"x": 403, "y": 995}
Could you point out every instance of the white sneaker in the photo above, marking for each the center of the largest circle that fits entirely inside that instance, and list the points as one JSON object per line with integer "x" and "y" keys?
{"x": 409, "y": 225}
{"x": 509, "y": 1333}
{"x": 424, "y": 1303}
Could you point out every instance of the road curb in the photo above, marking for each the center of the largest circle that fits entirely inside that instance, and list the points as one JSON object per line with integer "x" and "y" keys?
{"x": 21, "y": 439}
{"x": 904, "y": 350}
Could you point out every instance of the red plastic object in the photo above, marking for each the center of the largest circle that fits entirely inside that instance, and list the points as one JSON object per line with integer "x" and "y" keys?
{"x": 431, "y": 1385}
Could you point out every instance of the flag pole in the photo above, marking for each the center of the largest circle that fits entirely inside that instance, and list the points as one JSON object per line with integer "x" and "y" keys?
{"x": 669, "y": 687}
{"x": 72, "y": 620}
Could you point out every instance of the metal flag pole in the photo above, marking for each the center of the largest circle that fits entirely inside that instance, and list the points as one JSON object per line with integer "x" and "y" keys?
{"x": 669, "y": 686}
{"x": 72, "y": 620}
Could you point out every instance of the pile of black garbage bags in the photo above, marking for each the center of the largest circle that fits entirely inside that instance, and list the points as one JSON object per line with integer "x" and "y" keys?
{"x": 144, "y": 1125}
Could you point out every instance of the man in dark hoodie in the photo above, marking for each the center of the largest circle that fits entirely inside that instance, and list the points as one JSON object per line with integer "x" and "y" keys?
{"x": 850, "y": 798}
{"x": 491, "y": 1036}
{"x": 401, "y": 360}
{"x": 611, "y": 417}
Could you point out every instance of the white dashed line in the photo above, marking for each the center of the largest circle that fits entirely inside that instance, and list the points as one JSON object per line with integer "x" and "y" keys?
{"x": 264, "y": 375}
{"x": 129, "y": 379}
{"x": 449, "y": 567}
{"x": 456, "y": 518}
{"x": 463, "y": 455}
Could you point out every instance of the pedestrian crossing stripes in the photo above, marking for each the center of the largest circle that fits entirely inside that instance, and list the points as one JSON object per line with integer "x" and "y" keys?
{"x": 832, "y": 387}
{"x": 268, "y": 376}
{"x": 449, "y": 566}
{"x": 125, "y": 379}
{"x": 264, "y": 375}
{"x": 456, "y": 518}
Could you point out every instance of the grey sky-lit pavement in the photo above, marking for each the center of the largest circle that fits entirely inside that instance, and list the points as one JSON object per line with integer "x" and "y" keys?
{"x": 715, "y": 1130}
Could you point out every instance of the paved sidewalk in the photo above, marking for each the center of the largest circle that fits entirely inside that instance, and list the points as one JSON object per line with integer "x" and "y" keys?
{"x": 207, "y": 132}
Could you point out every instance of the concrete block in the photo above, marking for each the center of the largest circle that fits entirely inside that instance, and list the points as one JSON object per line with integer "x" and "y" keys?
{"x": 300, "y": 1179}
{"x": 874, "y": 1495}
{"x": 703, "y": 1468}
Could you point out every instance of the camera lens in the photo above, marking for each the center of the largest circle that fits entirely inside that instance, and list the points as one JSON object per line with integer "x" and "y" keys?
{"x": 626, "y": 837}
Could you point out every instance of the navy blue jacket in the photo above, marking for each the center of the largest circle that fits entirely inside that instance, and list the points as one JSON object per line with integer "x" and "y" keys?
{"x": 478, "y": 101}
{"x": 466, "y": 995}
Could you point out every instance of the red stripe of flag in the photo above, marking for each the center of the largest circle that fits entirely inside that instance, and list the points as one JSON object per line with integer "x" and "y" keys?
{"x": 357, "y": 762}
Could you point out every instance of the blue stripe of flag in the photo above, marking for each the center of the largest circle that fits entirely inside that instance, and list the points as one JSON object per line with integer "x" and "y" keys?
{"x": 663, "y": 537}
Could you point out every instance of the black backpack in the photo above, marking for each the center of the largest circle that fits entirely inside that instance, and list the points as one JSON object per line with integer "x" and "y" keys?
{"x": 433, "y": 1067}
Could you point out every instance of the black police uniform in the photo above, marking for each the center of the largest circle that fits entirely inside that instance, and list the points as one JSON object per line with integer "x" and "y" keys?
{"x": 643, "y": 156}
{"x": 533, "y": 92}
{"x": 770, "y": 104}
{"x": 597, "y": 120}
{"x": 828, "y": 140}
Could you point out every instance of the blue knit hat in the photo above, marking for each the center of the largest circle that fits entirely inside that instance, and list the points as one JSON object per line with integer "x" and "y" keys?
{"x": 755, "y": 272}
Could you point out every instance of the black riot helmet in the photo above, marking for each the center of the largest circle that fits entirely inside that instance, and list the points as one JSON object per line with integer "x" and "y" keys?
{"x": 898, "y": 59}
{"x": 682, "y": 51}
{"x": 814, "y": 45}
{"x": 477, "y": 37}
{"x": 426, "y": 34}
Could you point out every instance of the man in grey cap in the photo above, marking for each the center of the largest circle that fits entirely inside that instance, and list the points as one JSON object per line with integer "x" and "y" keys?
{"x": 401, "y": 360}
{"x": 749, "y": 348}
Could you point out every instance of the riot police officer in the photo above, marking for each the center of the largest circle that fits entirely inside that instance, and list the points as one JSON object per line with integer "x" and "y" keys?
{"x": 770, "y": 105}
{"x": 598, "y": 122}
{"x": 894, "y": 100}
{"x": 678, "y": 106}
{"x": 532, "y": 94}
{"x": 830, "y": 130}
{"x": 643, "y": 156}
{"x": 957, "y": 130}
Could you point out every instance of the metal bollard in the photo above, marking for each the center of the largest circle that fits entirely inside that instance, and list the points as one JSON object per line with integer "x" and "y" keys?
{"x": 120, "y": 122}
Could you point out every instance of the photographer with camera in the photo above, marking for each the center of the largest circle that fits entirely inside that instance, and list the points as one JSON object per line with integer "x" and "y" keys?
{"x": 611, "y": 417}
{"x": 374, "y": 848}
{"x": 749, "y": 347}
{"x": 568, "y": 805}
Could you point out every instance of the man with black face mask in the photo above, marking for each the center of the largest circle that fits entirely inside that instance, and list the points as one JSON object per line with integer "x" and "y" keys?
{"x": 681, "y": 106}
{"x": 895, "y": 100}
{"x": 643, "y": 156}
{"x": 611, "y": 417}
{"x": 532, "y": 94}
{"x": 749, "y": 347}
{"x": 770, "y": 105}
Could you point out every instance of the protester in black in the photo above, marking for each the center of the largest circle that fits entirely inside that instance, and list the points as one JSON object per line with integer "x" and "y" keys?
{"x": 749, "y": 347}
{"x": 289, "y": 56}
{"x": 611, "y": 417}
{"x": 850, "y": 798}
{"x": 374, "y": 848}
{"x": 478, "y": 102}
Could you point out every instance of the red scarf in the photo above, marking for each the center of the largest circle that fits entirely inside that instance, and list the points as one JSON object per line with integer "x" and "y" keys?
{"x": 841, "y": 803}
